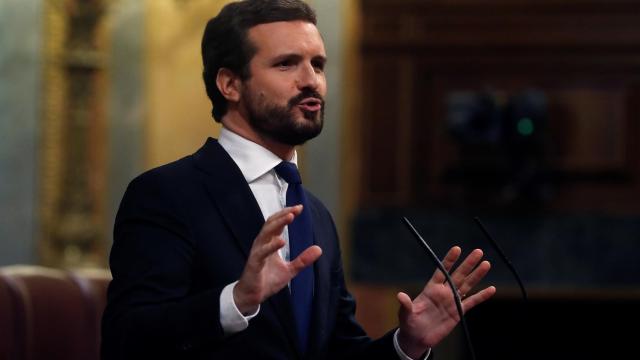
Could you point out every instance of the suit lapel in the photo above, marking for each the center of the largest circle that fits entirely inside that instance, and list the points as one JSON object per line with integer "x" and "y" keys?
{"x": 230, "y": 193}
{"x": 239, "y": 209}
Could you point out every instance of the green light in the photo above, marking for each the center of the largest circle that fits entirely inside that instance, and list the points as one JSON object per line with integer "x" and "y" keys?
{"x": 525, "y": 127}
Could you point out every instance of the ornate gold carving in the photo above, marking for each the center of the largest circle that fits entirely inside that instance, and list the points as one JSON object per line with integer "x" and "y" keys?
{"x": 74, "y": 166}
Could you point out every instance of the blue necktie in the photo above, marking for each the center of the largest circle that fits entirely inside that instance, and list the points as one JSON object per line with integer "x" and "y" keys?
{"x": 300, "y": 238}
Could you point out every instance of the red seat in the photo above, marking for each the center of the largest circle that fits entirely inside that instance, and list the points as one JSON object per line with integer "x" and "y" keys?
{"x": 53, "y": 318}
{"x": 8, "y": 325}
{"x": 94, "y": 284}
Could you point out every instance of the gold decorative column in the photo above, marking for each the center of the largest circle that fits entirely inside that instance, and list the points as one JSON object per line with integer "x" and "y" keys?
{"x": 74, "y": 134}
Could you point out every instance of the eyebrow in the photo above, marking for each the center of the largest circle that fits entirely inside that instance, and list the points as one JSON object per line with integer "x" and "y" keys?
{"x": 294, "y": 56}
{"x": 320, "y": 58}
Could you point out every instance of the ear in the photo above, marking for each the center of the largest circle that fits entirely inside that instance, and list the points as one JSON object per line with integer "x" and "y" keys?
{"x": 229, "y": 84}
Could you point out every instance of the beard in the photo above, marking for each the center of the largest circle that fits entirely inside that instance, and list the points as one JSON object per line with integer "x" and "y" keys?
{"x": 278, "y": 123}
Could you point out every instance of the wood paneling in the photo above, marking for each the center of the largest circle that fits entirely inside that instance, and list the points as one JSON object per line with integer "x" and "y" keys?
{"x": 584, "y": 56}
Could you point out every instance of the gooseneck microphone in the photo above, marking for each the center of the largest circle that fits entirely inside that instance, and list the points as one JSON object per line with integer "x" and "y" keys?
{"x": 497, "y": 248}
{"x": 456, "y": 296}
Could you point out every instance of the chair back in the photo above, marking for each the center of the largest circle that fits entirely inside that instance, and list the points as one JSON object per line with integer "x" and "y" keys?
{"x": 53, "y": 318}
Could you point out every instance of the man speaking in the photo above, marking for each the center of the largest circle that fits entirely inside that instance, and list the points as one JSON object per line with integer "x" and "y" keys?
{"x": 223, "y": 254}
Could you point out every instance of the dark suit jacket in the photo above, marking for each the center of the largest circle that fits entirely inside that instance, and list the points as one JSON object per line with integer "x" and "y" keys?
{"x": 182, "y": 233}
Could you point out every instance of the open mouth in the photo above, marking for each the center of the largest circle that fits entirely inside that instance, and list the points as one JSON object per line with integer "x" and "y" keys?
{"x": 310, "y": 104}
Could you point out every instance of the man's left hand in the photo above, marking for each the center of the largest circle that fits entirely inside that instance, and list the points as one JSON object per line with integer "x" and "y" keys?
{"x": 432, "y": 315}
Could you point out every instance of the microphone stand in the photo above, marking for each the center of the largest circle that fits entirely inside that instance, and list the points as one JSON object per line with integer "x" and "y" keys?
{"x": 497, "y": 248}
{"x": 456, "y": 296}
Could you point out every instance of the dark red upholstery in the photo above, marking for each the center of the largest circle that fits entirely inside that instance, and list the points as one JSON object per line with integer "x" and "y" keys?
{"x": 55, "y": 313}
{"x": 8, "y": 340}
{"x": 93, "y": 284}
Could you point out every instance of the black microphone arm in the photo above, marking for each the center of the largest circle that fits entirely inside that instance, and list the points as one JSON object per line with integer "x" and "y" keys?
{"x": 454, "y": 290}
{"x": 497, "y": 248}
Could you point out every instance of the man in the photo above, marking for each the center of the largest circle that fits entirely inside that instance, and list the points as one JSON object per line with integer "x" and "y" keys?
{"x": 207, "y": 259}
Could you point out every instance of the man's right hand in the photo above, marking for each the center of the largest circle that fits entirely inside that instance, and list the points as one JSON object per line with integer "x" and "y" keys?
{"x": 266, "y": 272}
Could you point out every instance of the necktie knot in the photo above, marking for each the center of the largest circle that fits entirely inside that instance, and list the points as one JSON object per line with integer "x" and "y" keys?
{"x": 289, "y": 172}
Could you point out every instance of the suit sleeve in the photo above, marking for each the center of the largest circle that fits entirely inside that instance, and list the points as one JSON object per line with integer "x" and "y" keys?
{"x": 151, "y": 260}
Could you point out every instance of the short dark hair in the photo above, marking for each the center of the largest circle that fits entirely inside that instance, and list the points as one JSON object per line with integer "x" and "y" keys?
{"x": 225, "y": 43}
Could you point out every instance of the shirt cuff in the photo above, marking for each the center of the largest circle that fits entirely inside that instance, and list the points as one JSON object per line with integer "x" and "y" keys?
{"x": 231, "y": 318}
{"x": 401, "y": 353}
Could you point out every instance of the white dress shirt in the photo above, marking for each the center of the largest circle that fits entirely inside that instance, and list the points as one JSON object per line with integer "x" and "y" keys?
{"x": 256, "y": 164}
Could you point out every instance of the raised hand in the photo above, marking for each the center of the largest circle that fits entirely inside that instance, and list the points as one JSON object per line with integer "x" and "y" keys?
{"x": 265, "y": 272}
{"x": 432, "y": 315}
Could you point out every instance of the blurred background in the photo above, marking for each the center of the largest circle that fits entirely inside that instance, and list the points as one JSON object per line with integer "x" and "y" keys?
{"x": 519, "y": 112}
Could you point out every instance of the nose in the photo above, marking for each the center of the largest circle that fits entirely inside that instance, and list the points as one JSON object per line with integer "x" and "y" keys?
{"x": 308, "y": 77}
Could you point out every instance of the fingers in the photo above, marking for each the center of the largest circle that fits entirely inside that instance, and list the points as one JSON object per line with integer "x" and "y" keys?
{"x": 269, "y": 239}
{"x": 474, "y": 278}
{"x": 448, "y": 261}
{"x": 405, "y": 302}
{"x": 262, "y": 251}
{"x": 477, "y": 298}
{"x": 275, "y": 223}
{"x": 306, "y": 258}
{"x": 467, "y": 275}
{"x": 466, "y": 267}
{"x": 265, "y": 272}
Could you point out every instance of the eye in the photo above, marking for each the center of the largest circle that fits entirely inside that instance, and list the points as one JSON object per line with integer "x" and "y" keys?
{"x": 318, "y": 65}
{"x": 285, "y": 64}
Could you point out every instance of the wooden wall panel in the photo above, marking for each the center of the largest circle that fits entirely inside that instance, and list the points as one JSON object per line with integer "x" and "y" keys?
{"x": 386, "y": 128}
{"x": 584, "y": 56}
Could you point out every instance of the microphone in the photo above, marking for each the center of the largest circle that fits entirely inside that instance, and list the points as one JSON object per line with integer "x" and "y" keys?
{"x": 497, "y": 248}
{"x": 456, "y": 296}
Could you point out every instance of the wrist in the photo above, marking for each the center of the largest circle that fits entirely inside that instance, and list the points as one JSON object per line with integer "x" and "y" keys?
{"x": 412, "y": 348}
{"x": 245, "y": 303}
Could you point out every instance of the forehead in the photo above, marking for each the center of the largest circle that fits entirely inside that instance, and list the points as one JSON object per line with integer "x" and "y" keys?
{"x": 283, "y": 37}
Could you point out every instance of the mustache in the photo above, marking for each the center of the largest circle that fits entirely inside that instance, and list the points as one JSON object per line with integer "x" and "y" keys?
{"x": 305, "y": 94}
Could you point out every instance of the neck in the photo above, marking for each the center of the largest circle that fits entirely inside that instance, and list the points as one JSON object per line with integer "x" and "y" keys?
{"x": 242, "y": 128}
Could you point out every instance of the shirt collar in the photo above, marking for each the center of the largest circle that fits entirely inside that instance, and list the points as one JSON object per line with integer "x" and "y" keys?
{"x": 253, "y": 160}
